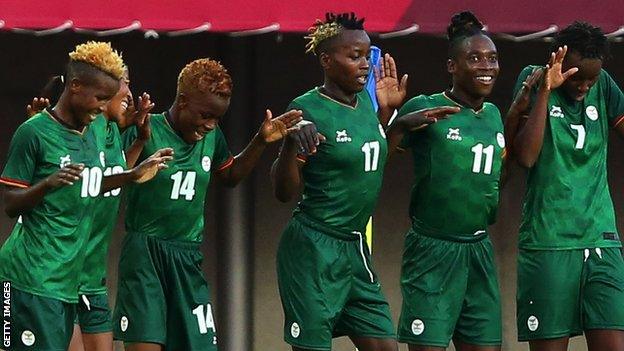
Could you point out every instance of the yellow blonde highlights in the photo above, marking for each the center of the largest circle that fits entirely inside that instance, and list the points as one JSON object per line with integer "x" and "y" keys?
{"x": 101, "y": 56}
{"x": 205, "y": 76}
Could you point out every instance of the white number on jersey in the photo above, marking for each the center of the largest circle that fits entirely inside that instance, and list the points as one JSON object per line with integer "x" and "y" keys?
{"x": 110, "y": 171}
{"x": 580, "y": 138}
{"x": 204, "y": 319}
{"x": 371, "y": 156}
{"x": 91, "y": 182}
{"x": 183, "y": 185}
{"x": 479, "y": 151}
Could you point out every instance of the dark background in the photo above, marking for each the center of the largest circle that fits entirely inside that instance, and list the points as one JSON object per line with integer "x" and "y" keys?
{"x": 269, "y": 71}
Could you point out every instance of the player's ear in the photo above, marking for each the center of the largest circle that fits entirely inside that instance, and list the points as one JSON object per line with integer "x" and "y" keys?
{"x": 182, "y": 100}
{"x": 75, "y": 85}
{"x": 325, "y": 60}
{"x": 451, "y": 66}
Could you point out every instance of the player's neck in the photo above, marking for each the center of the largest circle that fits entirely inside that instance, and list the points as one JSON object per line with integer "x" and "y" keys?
{"x": 63, "y": 115}
{"x": 463, "y": 98}
{"x": 332, "y": 90}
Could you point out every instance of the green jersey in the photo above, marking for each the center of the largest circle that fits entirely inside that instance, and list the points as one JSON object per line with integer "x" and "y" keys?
{"x": 171, "y": 205}
{"x": 93, "y": 276}
{"x": 44, "y": 255}
{"x": 457, "y": 165}
{"x": 342, "y": 180}
{"x": 567, "y": 203}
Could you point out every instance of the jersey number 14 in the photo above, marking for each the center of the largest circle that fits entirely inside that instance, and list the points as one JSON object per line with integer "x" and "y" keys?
{"x": 183, "y": 185}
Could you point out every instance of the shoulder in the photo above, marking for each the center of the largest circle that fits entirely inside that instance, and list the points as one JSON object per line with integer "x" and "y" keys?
{"x": 305, "y": 100}
{"x": 419, "y": 102}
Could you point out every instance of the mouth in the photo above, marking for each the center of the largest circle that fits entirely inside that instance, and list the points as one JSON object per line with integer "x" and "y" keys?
{"x": 485, "y": 79}
{"x": 362, "y": 79}
{"x": 199, "y": 135}
{"x": 124, "y": 105}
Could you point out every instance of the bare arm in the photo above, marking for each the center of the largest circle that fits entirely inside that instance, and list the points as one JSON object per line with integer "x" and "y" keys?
{"x": 286, "y": 172}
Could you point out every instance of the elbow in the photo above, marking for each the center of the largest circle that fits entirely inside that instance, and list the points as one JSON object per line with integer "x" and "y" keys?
{"x": 524, "y": 160}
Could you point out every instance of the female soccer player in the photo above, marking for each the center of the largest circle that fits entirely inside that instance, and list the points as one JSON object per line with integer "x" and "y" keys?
{"x": 43, "y": 257}
{"x": 448, "y": 277}
{"x": 326, "y": 280}
{"x": 570, "y": 268}
{"x": 163, "y": 300}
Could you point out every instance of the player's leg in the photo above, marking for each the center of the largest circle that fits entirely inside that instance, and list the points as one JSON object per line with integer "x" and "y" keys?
{"x": 313, "y": 278}
{"x": 603, "y": 300}
{"x": 142, "y": 346}
{"x": 139, "y": 319}
{"x": 548, "y": 298}
{"x": 95, "y": 321}
{"x": 424, "y": 348}
{"x": 76, "y": 341}
{"x": 479, "y": 327}
{"x": 434, "y": 277}
{"x": 374, "y": 344}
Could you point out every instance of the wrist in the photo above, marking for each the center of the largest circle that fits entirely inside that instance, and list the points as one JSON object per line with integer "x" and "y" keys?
{"x": 258, "y": 139}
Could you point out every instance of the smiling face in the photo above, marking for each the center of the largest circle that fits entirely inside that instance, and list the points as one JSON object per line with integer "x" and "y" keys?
{"x": 578, "y": 85}
{"x": 346, "y": 60}
{"x": 88, "y": 98}
{"x": 117, "y": 106}
{"x": 475, "y": 66}
{"x": 199, "y": 114}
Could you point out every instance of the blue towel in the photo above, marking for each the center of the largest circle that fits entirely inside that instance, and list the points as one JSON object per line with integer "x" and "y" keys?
{"x": 375, "y": 59}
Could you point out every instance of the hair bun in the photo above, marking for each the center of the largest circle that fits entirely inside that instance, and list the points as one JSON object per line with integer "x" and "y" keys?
{"x": 463, "y": 23}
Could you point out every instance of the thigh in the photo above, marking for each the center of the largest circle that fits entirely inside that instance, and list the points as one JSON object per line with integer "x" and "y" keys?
{"x": 98, "y": 341}
{"x": 548, "y": 297}
{"x": 76, "y": 340}
{"x": 598, "y": 340}
{"x": 480, "y": 321}
{"x": 140, "y": 307}
{"x": 555, "y": 344}
{"x": 374, "y": 344}
{"x": 314, "y": 281}
{"x": 143, "y": 347}
{"x": 603, "y": 291}
{"x": 39, "y": 323}
{"x": 190, "y": 318}
{"x": 464, "y": 346}
{"x": 433, "y": 284}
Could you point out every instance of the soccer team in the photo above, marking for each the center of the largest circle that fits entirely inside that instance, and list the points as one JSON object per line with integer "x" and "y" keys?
{"x": 86, "y": 140}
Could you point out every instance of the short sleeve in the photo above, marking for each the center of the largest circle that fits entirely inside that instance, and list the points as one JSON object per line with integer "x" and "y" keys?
{"x": 413, "y": 105}
{"x": 222, "y": 155}
{"x": 128, "y": 137}
{"x": 21, "y": 163}
{"x": 614, "y": 100}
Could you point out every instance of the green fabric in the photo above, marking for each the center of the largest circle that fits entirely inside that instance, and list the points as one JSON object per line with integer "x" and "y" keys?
{"x": 450, "y": 290}
{"x": 561, "y": 293}
{"x": 45, "y": 255}
{"x": 342, "y": 180}
{"x": 457, "y": 164}
{"x": 567, "y": 203}
{"x": 162, "y": 295}
{"x": 94, "y": 314}
{"x": 171, "y": 205}
{"x": 328, "y": 288}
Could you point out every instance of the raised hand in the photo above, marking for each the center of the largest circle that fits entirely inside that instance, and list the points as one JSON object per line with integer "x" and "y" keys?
{"x": 38, "y": 104}
{"x": 273, "y": 129}
{"x": 306, "y": 137}
{"x": 142, "y": 117}
{"x": 425, "y": 117}
{"x": 65, "y": 176}
{"x": 553, "y": 75}
{"x": 522, "y": 99}
{"x": 148, "y": 169}
{"x": 390, "y": 92}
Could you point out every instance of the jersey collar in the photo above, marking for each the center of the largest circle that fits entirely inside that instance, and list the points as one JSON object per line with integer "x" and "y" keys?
{"x": 457, "y": 101}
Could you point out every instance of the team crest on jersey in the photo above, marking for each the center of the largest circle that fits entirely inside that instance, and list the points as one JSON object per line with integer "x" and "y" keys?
{"x": 453, "y": 134}
{"x": 418, "y": 327}
{"x": 65, "y": 160}
{"x": 556, "y": 112}
{"x": 381, "y": 131}
{"x": 592, "y": 112}
{"x": 28, "y": 338}
{"x": 103, "y": 159}
{"x": 123, "y": 323}
{"x": 532, "y": 323}
{"x": 342, "y": 136}
{"x": 206, "y": 163}
{"x": 295, "y": 330}
{"x": 500, "y": 139}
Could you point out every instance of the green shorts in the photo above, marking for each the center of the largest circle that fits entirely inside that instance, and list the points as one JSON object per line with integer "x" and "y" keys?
{"x": 162, "y": 295}
{"x": 561, "y": 293}
{"x": 94, "y": 315}
{"x": 327, "y": 286}
{"x": 38, "y": 323}
{"x": 450, "y": 291}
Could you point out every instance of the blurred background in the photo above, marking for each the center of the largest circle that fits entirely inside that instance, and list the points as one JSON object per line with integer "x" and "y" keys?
{"x": 269, "y": 69}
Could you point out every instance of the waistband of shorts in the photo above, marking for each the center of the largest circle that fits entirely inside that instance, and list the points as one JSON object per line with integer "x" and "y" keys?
{"x": 178, "y": 244}
{"x": 325, "y": 229}
{"x": 418, "y": 227}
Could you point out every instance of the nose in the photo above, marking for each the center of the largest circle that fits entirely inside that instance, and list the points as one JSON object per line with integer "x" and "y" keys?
{"x": 365, "y": 64}
{"x": 585, "y": 86}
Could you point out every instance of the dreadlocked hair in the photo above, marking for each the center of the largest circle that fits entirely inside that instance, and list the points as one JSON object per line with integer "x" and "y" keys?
{"x": 205, "y": 76}
{"x": 98, "y": 55}
{"x": 587, "y": 40}
{"x": 333, "y": 25}
{"x": 463, "y": 25}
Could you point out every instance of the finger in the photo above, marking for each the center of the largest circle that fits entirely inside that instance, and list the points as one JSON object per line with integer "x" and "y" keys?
{"x": 403, "y": 84}
{"x": 310, "y": 134}
{"x": 377, "y": 73}
{"x": 551, "y": 60}
{"x": 382, "y": 69}
{"x": 69, "y": 176}
{"x": 570, "y": 72}
{"x": 392, "y": 66}
{"x": 74, "y": 166}
{"x": 442, "y": 110}
{"x": 321, "y": 137}
{"x": 268, "y": 115}
{"x": 65, "y": 182}
{"x": 564, "y": 50}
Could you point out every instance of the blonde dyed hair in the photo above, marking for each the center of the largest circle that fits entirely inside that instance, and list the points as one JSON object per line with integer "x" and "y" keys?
{"x": 205, "y": 76}
{"x": 100, "y": 55}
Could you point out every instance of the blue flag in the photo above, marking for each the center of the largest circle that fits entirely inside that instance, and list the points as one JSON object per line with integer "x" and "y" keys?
{"x": 375, "y": 58}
